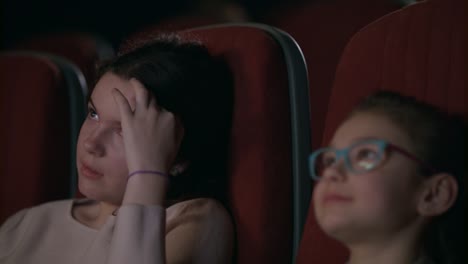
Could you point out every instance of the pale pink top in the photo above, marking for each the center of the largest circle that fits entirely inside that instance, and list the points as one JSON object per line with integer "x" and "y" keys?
{"x": 48, "y": 234}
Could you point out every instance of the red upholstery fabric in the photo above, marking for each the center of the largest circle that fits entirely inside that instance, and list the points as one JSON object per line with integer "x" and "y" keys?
{"x": 418, "y": 51}
{"x": 34, "y": 134}
{"x": 260, "y": 180}
{"x": 260, "y": 160}
{"x": 322, "y": 29}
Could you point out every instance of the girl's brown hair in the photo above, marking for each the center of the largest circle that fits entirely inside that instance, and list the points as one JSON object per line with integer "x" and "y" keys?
{"x": 188, "y": 81}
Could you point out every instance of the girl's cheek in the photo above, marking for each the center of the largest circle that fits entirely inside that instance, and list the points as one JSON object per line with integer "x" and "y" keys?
{"x": 317, "y": 193}
{"x": 118, "y": 148}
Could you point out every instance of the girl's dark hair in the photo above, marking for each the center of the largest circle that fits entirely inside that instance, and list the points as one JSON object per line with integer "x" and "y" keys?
{"x": 197, "y": 87}
{"x": 439, "y": 139}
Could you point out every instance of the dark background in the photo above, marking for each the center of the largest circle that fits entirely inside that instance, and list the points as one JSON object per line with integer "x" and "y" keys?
{"x": 112, "y": 19}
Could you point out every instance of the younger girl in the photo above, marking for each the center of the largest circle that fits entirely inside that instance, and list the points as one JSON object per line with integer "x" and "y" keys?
{"x": 390, "y": 186}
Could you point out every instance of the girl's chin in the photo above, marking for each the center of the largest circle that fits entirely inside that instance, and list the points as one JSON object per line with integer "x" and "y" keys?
{"x": 108, "y": 190}
{"x": 90, "y": 191}
{"x": 337, "y": 228}
{"x": 345, "y": 232}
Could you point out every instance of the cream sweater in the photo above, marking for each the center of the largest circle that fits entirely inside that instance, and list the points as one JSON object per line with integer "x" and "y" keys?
{"x": 48, "y": 234}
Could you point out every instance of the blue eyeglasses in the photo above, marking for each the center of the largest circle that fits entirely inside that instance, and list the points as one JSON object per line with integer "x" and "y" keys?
{"x": 360, "y": 157}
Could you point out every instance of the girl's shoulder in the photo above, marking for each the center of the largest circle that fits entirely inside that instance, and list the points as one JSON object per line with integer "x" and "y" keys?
{"x": 45, "y": 209}
{"x": 39, "y": 217}
{"x": 201, "y": 227}
{"x": 196, "y": 205}
{"x": 43, "y": 214}
{"x": 202, "y": 210}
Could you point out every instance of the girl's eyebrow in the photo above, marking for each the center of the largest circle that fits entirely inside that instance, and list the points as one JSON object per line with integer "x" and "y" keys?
{"x": 92, "y": 104}
{"x": 355, "y": 140}
{"x": 115, "y": 123}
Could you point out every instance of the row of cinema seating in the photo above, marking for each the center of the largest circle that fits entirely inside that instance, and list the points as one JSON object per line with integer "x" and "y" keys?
{"x": 419, "y": 50}
{"x": 44, "y": 82}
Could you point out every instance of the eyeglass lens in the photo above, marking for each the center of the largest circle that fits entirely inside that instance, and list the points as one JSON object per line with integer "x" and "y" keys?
{"x": 360, "y": 158}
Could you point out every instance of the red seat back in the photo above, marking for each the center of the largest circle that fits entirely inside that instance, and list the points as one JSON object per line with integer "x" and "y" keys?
{"x": 82, "y": 49}
{"x": 418, "y": 51}
{"x": 322, "y": 29}
{"x": 260, "y": 180}
{"x": 35, "y": 133}
{"x": 260, "y": 184}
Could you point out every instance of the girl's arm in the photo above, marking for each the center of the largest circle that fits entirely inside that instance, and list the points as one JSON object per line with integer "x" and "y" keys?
{"x": 152, "y": 138}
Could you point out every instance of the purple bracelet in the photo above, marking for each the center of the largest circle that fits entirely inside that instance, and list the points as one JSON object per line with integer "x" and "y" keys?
{"x": 149, "y": 172}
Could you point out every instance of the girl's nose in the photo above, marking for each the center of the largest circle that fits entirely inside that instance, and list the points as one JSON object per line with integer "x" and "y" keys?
{"x": 93, "y": 143}
{"x": 336, "y": 171}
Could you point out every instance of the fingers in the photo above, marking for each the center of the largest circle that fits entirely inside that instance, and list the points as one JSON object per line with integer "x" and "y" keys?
{"x": 123, "y": 104}
{"x": 142, "y": 96}
{"x": 153, "y": 103}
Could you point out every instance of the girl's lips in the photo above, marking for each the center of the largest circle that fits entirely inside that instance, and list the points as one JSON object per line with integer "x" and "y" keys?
{"x": 336, "y": 198}
{"x": 89, "y": 172}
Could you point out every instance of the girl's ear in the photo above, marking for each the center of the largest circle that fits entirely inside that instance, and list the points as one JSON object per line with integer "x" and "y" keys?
{"x": 179, "y": 168}
{"x": 438, "y": 195}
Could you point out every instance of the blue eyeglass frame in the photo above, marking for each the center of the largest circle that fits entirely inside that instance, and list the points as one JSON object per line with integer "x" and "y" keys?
{"x": 380, "y": 143}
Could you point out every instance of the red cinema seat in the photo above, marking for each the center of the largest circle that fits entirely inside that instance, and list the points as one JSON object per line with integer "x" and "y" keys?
{"x": 322, "y": 29}
{"x": 41, "y": 104}
{"x": 82, "y": 49}
{"x": 270, "y": 137}
{"x": 419, "y": 51}
{"x": 269, "y": 129}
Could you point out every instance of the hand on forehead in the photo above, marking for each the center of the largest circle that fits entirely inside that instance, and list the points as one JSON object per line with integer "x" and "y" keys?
{"x": 141, "y": 95}
{"x": 130, "y": 90}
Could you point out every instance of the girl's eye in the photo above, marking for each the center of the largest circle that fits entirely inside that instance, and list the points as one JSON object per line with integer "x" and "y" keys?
{"x": 365, "y": 158}
{"x": 328, "y": 160}
{"x": 367, "y": 154}
{"x": 92, "y": 114}
{"x": 118, "y": 130}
